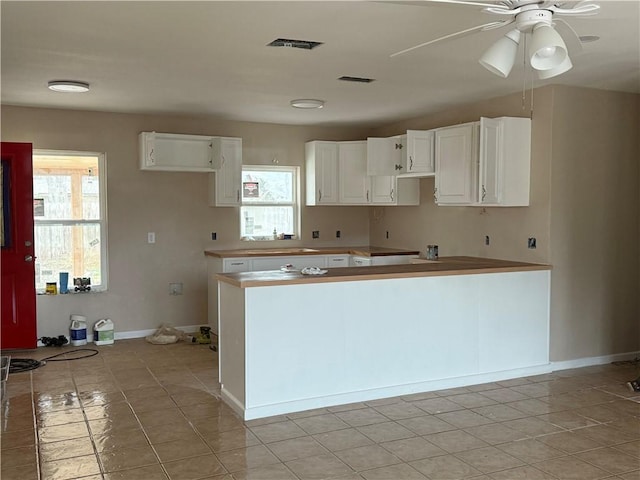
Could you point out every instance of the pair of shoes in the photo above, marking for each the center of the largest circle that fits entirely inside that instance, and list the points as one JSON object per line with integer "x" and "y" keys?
{"x": 634, "y": 385}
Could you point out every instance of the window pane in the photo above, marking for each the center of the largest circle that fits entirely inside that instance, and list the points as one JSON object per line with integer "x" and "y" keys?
{"x": 66, "y": 188}
{"x": 267, "y": 186}
{"x": 261, "y": 221}
{"x": 67, "y": 248}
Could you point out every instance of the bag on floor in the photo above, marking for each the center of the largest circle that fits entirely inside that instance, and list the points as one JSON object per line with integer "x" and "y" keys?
{"x": 165, "y": 335}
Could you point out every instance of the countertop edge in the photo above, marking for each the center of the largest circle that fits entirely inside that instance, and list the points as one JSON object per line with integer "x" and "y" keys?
{"x": 298, "y": 279}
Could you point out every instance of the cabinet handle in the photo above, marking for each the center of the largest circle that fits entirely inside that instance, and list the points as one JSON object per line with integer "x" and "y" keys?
{"x": 392, "y": 194}
{"x": 152, "y": 161}
{"x": 319, "y": 195}
{"x": 398, "y": 146}
{"x": 410, "y": 162}
{"x": 237, "y": 263}
{"x": 398, "y": 167}
{"x": 224, "y": 160}
{"x": 237, "y": 195}
{"x": 435, "y": 194}
{"x": 367, "y": 195}
{"x": 484, "y": 193}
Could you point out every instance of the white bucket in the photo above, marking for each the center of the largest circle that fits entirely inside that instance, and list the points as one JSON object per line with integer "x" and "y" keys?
{"x": 78, "y": 330}
{"x": 103, "y": 332}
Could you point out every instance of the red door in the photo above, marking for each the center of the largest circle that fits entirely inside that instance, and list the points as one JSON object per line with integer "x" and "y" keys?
{"x": 16, "y": 237}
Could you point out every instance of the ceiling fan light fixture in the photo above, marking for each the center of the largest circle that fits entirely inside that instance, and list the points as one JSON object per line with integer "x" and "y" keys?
{"x": 547, "y": 50}
{"x": 68, "y": 86}
{"x": 307, "y": 103}
{"x": 500, "y": 57}
{"x": 565, "y": 66}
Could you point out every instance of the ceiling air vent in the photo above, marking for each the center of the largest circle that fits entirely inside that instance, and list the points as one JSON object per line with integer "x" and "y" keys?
{"x": 356, "y": 79}
{"x": 285, "y": 42}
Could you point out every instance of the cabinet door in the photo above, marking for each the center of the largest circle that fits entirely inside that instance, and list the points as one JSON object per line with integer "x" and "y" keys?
{"x": 386, "y": 156}
{"x": 420, "y": 151}
{"x": 175, "y": 152}
{"x": 226, "y": 182}
{"x": 352, "y": 171}
{"x": 383, "y": 190}
{"x": 456, "y": 153}
{"x": 491, "y": 168}
{"x": 322, "y": 173}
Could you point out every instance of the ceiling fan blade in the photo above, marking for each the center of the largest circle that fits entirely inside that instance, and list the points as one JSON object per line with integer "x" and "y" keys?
{"x": 582, "y": 9}
{"x": 497, "y": 5}
{"x": 486, "y": 26}
{"x": 569, "y": 35}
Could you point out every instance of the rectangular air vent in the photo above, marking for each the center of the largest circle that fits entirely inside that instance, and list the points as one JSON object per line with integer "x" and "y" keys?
{"x": 285, "y": 42}
{"x": 356, "y": 79}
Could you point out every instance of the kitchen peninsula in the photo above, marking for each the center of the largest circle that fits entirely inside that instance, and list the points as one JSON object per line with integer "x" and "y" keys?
{"x": 291, "y": 342}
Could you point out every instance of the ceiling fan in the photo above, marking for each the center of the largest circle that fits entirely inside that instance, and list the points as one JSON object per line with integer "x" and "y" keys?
{"x": 547, "y": 51}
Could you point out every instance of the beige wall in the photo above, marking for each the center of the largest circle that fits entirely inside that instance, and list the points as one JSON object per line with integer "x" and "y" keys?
{"x": 173, "y": 205}
{"x": 594, "y": 223}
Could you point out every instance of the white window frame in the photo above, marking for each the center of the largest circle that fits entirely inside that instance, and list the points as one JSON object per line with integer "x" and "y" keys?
{"x": 295, "y": 204}
{"x": 102, "y": 180}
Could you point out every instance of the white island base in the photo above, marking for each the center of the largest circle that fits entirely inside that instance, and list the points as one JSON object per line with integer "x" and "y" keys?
{"x": 292, "y": 347}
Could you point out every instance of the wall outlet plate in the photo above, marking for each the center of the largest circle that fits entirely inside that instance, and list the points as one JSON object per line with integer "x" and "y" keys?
{"x": 315, "y": 234}
{"x": 531, "y": 242}
{"x": 175, "y": 289}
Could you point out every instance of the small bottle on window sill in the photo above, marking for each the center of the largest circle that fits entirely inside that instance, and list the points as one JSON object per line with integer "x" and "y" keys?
{"x": 275, "y": 234}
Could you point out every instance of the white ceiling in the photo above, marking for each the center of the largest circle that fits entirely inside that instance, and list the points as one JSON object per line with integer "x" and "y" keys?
{"x": 211, "y": 57}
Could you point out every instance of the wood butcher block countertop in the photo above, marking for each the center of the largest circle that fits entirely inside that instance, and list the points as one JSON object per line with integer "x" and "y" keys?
{"x": 443, "y": 266}
{"x": 286, "y": 251}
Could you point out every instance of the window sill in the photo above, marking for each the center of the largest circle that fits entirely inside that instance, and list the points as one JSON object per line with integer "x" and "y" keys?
{"x": 71, "y": 294}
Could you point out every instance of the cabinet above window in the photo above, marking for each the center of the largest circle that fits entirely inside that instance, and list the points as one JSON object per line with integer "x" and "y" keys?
{"x": 180, "y": 153}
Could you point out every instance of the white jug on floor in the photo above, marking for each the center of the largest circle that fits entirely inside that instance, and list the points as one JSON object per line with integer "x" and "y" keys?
{"x": 103, "y": 332}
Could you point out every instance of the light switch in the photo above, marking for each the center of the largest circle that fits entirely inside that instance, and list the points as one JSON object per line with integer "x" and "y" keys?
{"x": 151, "y": 237}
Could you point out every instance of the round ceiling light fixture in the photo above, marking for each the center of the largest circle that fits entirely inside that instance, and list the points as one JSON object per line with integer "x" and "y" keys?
{"x": 307, "y": 103}
{"x": 68, "y": 86}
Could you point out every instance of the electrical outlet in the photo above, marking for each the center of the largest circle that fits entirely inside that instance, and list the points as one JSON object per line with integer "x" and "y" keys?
{"x": 487, "y": 240}
{"x": 175, "y": 289}
{"x": 337, "y": 233}
{"x": 315, "y": 234}
{"x": 214, "y": 236}
{"x": 151, "y": 237}
{"x": 531, "y": 242}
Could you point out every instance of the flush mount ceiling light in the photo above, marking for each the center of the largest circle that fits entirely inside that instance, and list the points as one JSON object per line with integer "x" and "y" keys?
{"x": 68, "y": 86}
{"x": 307, "y": 103}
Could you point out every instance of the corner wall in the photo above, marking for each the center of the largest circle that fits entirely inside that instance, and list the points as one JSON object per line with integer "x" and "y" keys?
{"x": 595, "y": 219}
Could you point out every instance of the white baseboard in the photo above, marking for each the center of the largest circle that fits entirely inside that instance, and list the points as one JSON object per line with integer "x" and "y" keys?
{"x": 591, "y": 361}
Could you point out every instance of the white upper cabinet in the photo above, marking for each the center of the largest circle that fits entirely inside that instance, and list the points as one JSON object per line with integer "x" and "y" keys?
{"x": 420, "y": 152}
{"x": 456, "y": 155}
{"x": 225, "y": 185}
{"x": 322, "y": 172}
{"x": 484, "y": 163}
{"x": 505, "y": 162}
{"x": 354, "y": 183}
{"x": 175, "y": 152}
{"x": 386, "y": 156}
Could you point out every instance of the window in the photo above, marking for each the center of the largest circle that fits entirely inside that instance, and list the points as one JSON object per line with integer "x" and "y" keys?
{"x": 69, "y": 209}
{"x": 269, "y": 202}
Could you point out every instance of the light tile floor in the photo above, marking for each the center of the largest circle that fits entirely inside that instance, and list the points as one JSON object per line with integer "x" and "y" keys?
{"x": 142, "y": 411}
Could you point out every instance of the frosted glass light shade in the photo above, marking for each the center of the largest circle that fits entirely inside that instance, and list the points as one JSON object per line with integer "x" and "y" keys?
{"x": 547, "y": 49}
{"x": 565, "y": 66}
{"x": 500, "y": 57}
